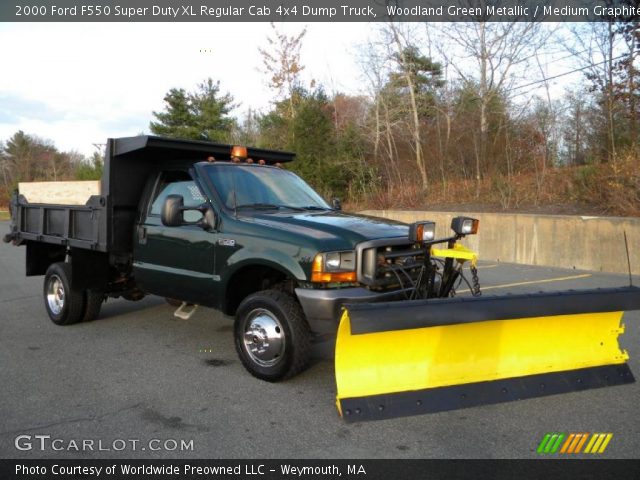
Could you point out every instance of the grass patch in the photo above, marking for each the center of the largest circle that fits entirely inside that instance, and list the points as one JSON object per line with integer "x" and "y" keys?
{"x": 4, "y": 215}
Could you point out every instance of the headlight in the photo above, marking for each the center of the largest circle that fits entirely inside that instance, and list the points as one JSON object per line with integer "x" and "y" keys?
{"x": 465, "y": 225}
{"x": 334, "y": 267}
{"x": 422, "y": 232}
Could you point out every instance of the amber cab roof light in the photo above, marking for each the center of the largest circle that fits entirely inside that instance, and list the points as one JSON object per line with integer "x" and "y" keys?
{"x": 238, "y": 151}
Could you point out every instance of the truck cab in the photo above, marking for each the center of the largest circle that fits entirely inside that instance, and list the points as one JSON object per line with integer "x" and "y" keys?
{"x": 220, "y": 233}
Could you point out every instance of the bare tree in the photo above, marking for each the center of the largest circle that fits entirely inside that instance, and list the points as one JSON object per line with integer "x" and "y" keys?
{"x": 401, "y": 43}
{"x": 281, "y": 60}
{"x": 594, "y": 46}
{"x": 500, "y": 51}
{"x": 631, "y": 33}
{"x": 576, "y": 128}
{"x": 374, "y": 64}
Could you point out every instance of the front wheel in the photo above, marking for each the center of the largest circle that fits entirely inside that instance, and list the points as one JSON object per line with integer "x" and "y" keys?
{"x": 272, "y": 337}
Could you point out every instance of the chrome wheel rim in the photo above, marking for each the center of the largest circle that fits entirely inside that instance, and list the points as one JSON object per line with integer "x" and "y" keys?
{"x": 55, "y": 294}
{"x": 263, "y": 337}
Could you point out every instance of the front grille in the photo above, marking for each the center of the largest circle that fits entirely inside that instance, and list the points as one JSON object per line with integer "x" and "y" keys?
{"x": 389, "y": 264}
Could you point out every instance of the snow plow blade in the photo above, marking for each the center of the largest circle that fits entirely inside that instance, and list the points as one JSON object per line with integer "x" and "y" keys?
{"x": 422, "y": 356}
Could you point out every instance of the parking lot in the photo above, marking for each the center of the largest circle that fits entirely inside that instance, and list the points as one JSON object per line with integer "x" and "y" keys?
{"x": 138, "y": 373}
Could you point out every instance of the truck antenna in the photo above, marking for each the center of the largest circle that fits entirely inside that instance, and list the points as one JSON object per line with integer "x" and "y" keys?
{"x": 626, "y": 246}
{"x": 235, "y": 204}
{"x": 235, "y": 198}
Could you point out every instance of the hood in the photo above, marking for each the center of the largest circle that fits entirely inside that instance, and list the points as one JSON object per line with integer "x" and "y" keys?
{"x": 332, "y": 225}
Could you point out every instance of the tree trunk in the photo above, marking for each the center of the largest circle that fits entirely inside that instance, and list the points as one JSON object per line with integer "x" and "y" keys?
{"x": 612, "y": 141}
{"x": 484, "y": 101}
{"x": 391, "y": 146}
{"x": 414, "y": 110}
{"x": 376, "y": 139}
{"x": 632, "y": 95}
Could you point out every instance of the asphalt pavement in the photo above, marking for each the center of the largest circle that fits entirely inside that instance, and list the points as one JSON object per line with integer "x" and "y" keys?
{"x": 141, "y": 378}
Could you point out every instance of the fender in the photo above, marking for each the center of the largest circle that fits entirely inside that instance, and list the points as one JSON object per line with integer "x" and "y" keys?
{"x": 270, "y": 257}
{"x": 280, "y": 263}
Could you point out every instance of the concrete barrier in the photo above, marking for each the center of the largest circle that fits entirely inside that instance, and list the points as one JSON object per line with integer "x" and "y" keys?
{"x": 581, "y": 242}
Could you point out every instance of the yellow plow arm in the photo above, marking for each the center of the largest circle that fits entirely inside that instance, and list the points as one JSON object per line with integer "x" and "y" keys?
{"x": 409, "y": 357}
{"x": 458, "y": 252}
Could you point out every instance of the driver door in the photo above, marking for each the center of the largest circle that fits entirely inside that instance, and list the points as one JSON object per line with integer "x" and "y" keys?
{"x": 175, "y": 262}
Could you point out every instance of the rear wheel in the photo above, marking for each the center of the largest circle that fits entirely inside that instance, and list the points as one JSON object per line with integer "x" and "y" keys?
{"x": 272, "y": 337}
{"x": 64, "y": 305}
{"x": 94, "y": 301}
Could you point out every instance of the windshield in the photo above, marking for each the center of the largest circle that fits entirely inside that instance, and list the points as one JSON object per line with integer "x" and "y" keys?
{"x": 263, "y": 187}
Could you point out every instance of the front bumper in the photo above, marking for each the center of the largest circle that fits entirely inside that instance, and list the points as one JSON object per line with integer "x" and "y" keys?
{"x": 323, "y": 307}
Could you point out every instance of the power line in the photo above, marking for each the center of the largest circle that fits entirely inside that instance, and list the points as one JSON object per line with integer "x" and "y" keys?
{"x": 563, "y": 74}
{"x": 553, "y": 60}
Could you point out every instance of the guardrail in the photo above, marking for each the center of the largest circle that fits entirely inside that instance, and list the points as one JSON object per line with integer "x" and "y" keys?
{"x": 580, "y": 242}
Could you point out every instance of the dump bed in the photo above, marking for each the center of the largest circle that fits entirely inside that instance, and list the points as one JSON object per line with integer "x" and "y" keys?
{"x": 81, "y": 226}
{"x": 104, "y": 222}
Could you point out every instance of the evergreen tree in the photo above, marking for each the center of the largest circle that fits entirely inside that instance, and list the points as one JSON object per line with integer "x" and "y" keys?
{"x": 211, "y": 112}
{"x": 425, "y": 75}
{"x": 199, "y": 115}
{"x": 178, "y": 119}
{"x": 91, "y": 168}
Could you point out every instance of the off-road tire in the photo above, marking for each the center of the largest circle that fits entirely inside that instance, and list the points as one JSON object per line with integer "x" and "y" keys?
{"x": 73, "y": 306}
{"x": 296, "y": 333}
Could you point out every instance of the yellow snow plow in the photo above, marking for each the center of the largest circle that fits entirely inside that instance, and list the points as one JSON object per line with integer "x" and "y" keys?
{"x": 433, "y": 353}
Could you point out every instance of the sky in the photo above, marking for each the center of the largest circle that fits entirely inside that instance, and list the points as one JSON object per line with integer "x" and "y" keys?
{"x": 80, "y": 83}
{"x": 77, "y": 84}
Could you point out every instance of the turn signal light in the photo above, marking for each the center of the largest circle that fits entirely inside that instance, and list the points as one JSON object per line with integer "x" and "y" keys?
{"x": 333, "y": 277}
{"x": 319, "y": 275}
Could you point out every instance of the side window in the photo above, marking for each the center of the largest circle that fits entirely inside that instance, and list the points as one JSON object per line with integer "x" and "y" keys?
{"x": 178, "y": 183}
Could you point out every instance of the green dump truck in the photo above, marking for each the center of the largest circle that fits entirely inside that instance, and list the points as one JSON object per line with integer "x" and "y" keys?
{"x": 229, "y": 227}
{"x": 205, "y": 224}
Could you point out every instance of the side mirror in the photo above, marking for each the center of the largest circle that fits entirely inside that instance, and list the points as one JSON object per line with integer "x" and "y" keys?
{"x": 172, "y": 209}
{"x": 336, "y": 204}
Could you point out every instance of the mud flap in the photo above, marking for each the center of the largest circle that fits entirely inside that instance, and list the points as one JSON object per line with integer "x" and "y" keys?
{"x": 404, "y": 358}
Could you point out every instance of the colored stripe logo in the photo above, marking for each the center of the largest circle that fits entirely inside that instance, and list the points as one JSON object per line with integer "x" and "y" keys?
{"x": 572, "y": 443}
